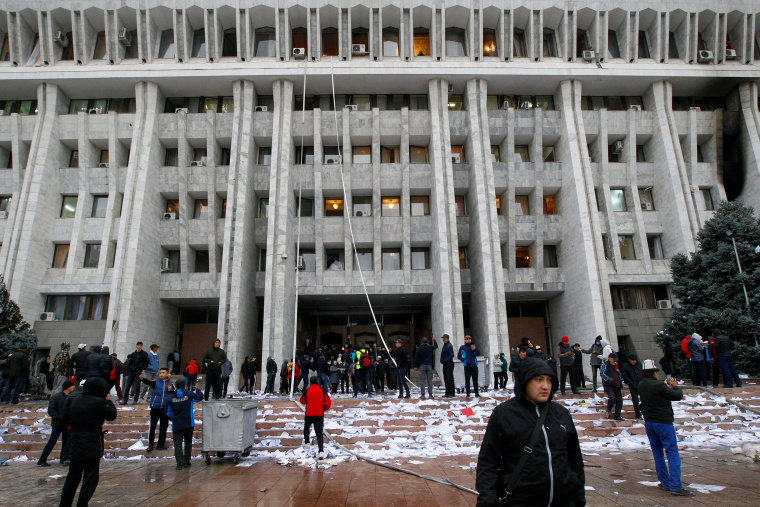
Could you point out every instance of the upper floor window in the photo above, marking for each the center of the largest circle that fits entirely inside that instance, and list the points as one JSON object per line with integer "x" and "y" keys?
{"x": 60, "y": 255}
{"x": 360, "y": 35}
{"x": 78, "y": 307}
{"x": 265, "y": 41}
{"x": 5, "y": 202}
{"x": 99, "y": 206}
{"x": 549, "y": 205}
{"x": 550, "y": 256}
{"x": 299, "y": 39}
{"x": 362, "y": 206}
{"x": 362, "y": 154}
{"x": 672, "y": 46}
{"x": 459, "y": 203}
{"x": 654, "y": 242}
{"x": 201, "y": 261}
{"x": 229, "y": 43}
{"x": 304, "y": 155}
{"x": 391, "y": 207}
{"x": 548, "y": 153}
{"x": 389, "y": 155}
{"x": 199, "y": 43}
{"x": 582, "y": 42}
{"x": 627, "y": 252}
{"x": 22, "y": 107}
{"x": 172, "y": 206}
{"x": 363, "y": 259}
{"x": 333, "y": 207}
{"x": 420, "y": 258}
{"x": 391, "y": 258}
{"x": 707, "y": 197}
{"x": 91, "y": 255}
{"x": 201, "y": 209}
{"x": 5, "y": 50}
{"x": 418, "y": 154}
{"x": 495, "y": 153}
{"x": 550, "y": 43}
{"x": 166, "y": 48}
{"x": 420, "y": 205}
{"x": 69, "y": 206}
{"x": 643, "y": 45}
{"x": 519, "y": 49}
{"x": 613, "y": 50}
{"x": 390, "y": 42}
{"x": 265, "y": 155}
{"x": 99, "y": 52}
{"x": 646, "y": 199}
{"x": 617, "y": 197}
{"x": 522, "y": 257}
{"x": 264, "y": 207}
{"x": 130, "y": 52}
{"x": 456, "y": 42}
{"x": 330, "y": 42}
{"x": 490, "y": 47}
{"x": 421, "y": 41}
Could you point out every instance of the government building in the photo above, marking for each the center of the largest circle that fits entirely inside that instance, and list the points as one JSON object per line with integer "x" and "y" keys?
{"x": 179, "y": 171}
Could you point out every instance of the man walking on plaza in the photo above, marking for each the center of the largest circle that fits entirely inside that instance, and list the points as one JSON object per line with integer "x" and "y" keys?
{"x": 468, "y": 355}
{"x": 136, "y": 362}
{"x": 566, "y": 358}
{"x": 423, "y": 360}
{"x": 723, "y": 346}
{"x": 214, "y": 358}
{"x": 402, "y": 368}
{"x": 447, "y": 362}
{"x": 55, "y": 411}
{"x": 656, "y": 399}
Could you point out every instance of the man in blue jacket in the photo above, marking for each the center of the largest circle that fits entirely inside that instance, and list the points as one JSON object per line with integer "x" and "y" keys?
{"x": 180, "y": 411}
{"x": 467, "y": 353}
{"x": 161, "y": 395}
{"x": 447, "y": 361}
{"x": 150, "y": 372}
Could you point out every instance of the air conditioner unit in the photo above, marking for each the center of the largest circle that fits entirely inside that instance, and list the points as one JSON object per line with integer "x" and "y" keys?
{"x": 695, "y": 108}
{"x": 170, "y": 216}
{"x": 47, "y": 316}
{"x": 95, "y": 110}
{"x": 617, "y": 148}
{"x": 181, "y": 110}
{"x": 3, "y": 214}
{"x": 260, "y": 108}
{"x": 358, "y": 49}
{"x": 705, "y": 56}
{"x": 588, "y": 56}
{"x": 664, "y": 304}
{"x": 456, "y": 158}
{"x": 60, "y": 39}
{"x": 166, "y": 265}
{"x": 646, "y": 206}
{"x": 730, "y": 54}
{"x": 299, "y": 264}
{"x": 196, "y": 163}
{"x": 505, "y": 105}
{"x": 2, "y": 112}
{"x": 299, "y": 53}
{"x": 635, "y": 107}
{"x": 104, "y": 165}
{"x": 333, "y": 160}
{"x": 526, "y": 105}
{"x": 451, "y": 87}
{"x": 124, "y": 36}
{"x": 352, "y": 107}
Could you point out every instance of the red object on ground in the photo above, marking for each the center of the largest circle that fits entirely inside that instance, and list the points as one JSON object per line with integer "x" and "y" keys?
{"x": 467, "y": 411}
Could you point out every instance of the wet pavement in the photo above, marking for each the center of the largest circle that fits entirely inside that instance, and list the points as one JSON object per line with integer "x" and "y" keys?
{"x": 616, "y": 479}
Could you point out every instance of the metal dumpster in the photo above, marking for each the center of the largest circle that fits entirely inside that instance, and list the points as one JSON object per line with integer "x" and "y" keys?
{"x": 228, "y": 426}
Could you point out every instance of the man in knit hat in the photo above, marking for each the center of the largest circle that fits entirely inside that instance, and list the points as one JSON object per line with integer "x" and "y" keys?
{"x": 566, "y": 358}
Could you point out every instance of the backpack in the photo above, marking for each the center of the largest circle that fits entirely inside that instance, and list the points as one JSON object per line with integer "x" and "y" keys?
{"x": 365, "y": 360}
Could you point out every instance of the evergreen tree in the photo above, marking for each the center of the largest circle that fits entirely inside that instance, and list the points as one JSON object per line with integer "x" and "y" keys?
{"x": 11, "y": 320}
{"x": 708, "y": 287}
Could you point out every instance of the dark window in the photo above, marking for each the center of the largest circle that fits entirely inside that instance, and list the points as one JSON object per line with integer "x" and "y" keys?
{"x": 613, "y": 50}
{"x": 91, "y": 255}
{"x": 201, "y": 261}
{"x": 643, "y": 45}
{"x": 229, "y": 44}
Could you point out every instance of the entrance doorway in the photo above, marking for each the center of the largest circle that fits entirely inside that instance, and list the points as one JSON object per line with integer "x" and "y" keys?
{"x": 331, "y": 338}
{"x": 529, "y": 319}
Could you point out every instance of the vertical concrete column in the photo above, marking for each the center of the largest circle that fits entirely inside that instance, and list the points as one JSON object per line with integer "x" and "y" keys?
{"x": 116, "y": 155}
{"x": 238, "y": 305}
{"x": 319, "y": 198}
{"x": 488, "y": 311}
{"x": 604, "y": 195}
{"x": 640, "y": 234}
{"x": 87, "y": 157}
{"x": 750, "y": 142}
{"x": 508, "y": 252}
{"x": 377, "y": 194}
{"x": 136, "y": 311}
{"x": 20, "y": 157}
{"x": 185, "y": 150}
{"x": 446, "y": 301}
{"x": 346, "y": 151}
{"x": 582, "y": 311}
{"x": 280, "y": 266}
{"x": 213, "y": 152}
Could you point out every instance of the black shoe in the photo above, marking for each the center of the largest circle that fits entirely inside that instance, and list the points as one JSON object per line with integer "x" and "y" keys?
{"x": 663, "y": 487}
{"x": 682, "y": 492}
{"x": 65, "y": 462}
{"x": 407, "y": 396}
{"x": 149, "y": 448}
{"x": 180, "y": 467}
{"x": 162, "y": 448}
{"x": 188, "y": 464}
{"x": 477, "y": 396}
{"x": 43, "y": 464}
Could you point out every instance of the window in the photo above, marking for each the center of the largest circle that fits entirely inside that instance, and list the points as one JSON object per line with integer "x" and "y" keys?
{"x": 78, "y": 307}
{"x": 305, "y": 155}
{"x": 334, "y": 260}
{"x": 707, "y": 197}
{"x": 627, "y": 251}
{"x": 390, "y": 42}
{"x": 34, "y": 54}
{"x": 418, "y": 102}
{"x": 5, "y": 202}
{"x": 460, "y": 205}
{"x": 69, "y": 206}
{"x": 545, "y": 102}
{"x": 5, "y": 52}
{"x": 606, "y": 247}
{"x": 647, "y": 201}
{"x": 420, "y": 258}
{"x": 391, "y": 259}
{"x": 363, "y": 260}
{"x": 330, "y": 42}
{"x": 226, "y": 156}
{"x": 522, "y": 257}
{"x": 172, "y": 206}
{"x": 201, "y": 261}
{"x": 362, "y": 206}
{"x": 99, "y": 205}
{"x": 655, "y": 247}
{"x": 264, "y": 207}
{"x": 99, "y": 52}
{"x": 457, "y": 154}
{"x": 130, "y": 52}
{"x": 519, "y": 50}
{"x": 60, "y": 255}
{"x": 548, "y": 153}
{"x": 91, "y": 255}
{"x": 389, "y": 155}
{"x": 420, "y": 205}
{"x": 300, "y": 39}
{"x": 418, "y": 154}
{"x": 262, "y": 259}
{"x": 265, "y": 155}
{"x": 637, "y": 297}
{"x": 421, "y": 41}
{"x": 640, "y": 154}
{"x": 643, "y": 45}
{"x": 199, "y": 43}
{"x": 360, "y": 35}
{"x": 498, "y": 205}
{"x": 582, "y": 43}
{"x": 224, "y": 208}
{"x": 172, "y": 157}
{"x": 265, "y": 42}
{"x": 309, "y": 258}
{"x": 456, "y": 44}
{"x": 550, "y": 43}
{"x": 307, "y": 207}
{"x": 463, "y": 257}
{"x": 104, "y": 157}
{"x": 229, "y": 44}
{"x": 672, "y": 46}
{"x": 550, "y": 256}
{"x": 489, "y": 42}
{"x": 522, "y": 206}
{"x": 700, "y": 156}
{"x": 631, "y": 101}
{"x": 613, "y": 50}
{"x": 495, "y": 154}
{"x": 456, "y": 103}
{"x": 617, "y": 197}
{"x": 166, "y": 46}
{"x": 549, "y": 207}
{"x": 173, "y": 256}
{"x": 201, "y": 209}
{"x": 362, "y": 102}
{"x": 74, "y": 158}
{"x": 612, "y": 155}
{"x": 331, "y": 154}
{"x": 391, "y": 207}
{"x": 362, "y": 154}
{"x": 333, "y": 207}
{"x": 522, "y": 154}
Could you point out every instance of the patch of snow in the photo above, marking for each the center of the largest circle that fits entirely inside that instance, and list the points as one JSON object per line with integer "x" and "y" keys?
{"x": 706, "y": 488}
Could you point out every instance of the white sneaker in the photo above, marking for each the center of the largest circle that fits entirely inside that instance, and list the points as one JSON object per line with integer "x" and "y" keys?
{"x": 306, "y": 446}
{"x": 321, "y": 455}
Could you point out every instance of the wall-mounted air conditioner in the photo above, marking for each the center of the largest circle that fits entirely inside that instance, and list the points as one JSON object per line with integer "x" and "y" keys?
{"x": 104, "y": 165}
{"x": 125, "y": 37}
{"x": 705, "y": 56}
{"x": 197, "y": 163}
{"x": 730, "y": 54}
{"x": 646, "y": 206}
{"x": 664, "y": 304}
{"x": 166, "y": 265}
{"x": 260, "y": 108}
{"x": 60, "y": 39}
{"x": 334, "y": 159}
{"x": 181, "y": 110}
{"x": 170, "y": 216}
{"x": 358, "y": 49}
{"x": 299, "y": 264}
{"x": 505, "y": 105}
{"x": 95, "y": 110}
{"x": 299, "y": 53}
{"x": 3, "y": 214}
{"x": 456, "y": 158}
{"x": 47, "y": 316}
{"x": 695, "y": 108}
{"x": 635, "y": 107}
{"x": 526, "y": 105}
{"x": 617, "y": 148}
{"x": 588, "y": 56}
{"x": 352, "y": 107}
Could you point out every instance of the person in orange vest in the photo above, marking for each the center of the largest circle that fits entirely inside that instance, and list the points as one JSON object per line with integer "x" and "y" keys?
{"x": 316, "y": 402}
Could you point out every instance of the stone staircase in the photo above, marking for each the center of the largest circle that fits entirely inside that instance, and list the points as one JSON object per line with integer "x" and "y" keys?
{"x": 403, "y": 427}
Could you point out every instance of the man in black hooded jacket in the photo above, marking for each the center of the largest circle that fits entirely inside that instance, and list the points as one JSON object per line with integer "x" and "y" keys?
{"x": 553, "y": 473}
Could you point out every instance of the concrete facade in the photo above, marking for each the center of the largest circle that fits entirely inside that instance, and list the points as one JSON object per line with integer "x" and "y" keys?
{"x": 604, "y": 164}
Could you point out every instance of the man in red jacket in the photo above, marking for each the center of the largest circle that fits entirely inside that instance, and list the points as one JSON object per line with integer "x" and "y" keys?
{"x": 316, "y": 402}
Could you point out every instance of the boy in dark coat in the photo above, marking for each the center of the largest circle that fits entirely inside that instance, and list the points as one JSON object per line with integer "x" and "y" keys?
{"x": 55, "y": 410}
{"x": 180, "y": 411}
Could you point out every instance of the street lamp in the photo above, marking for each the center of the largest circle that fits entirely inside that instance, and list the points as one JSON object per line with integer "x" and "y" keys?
{"x": 744, "y": 287}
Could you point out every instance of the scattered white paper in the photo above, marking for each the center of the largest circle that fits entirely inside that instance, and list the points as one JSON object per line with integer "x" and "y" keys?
{"x": 706, "y": 488}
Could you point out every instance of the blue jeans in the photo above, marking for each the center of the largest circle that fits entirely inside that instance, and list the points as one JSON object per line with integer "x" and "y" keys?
{"x": 324, "y": 382}
{"x": 270, "y": 382}
{"x": 662, "y": 437}
{"x": 727, "y": 365}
